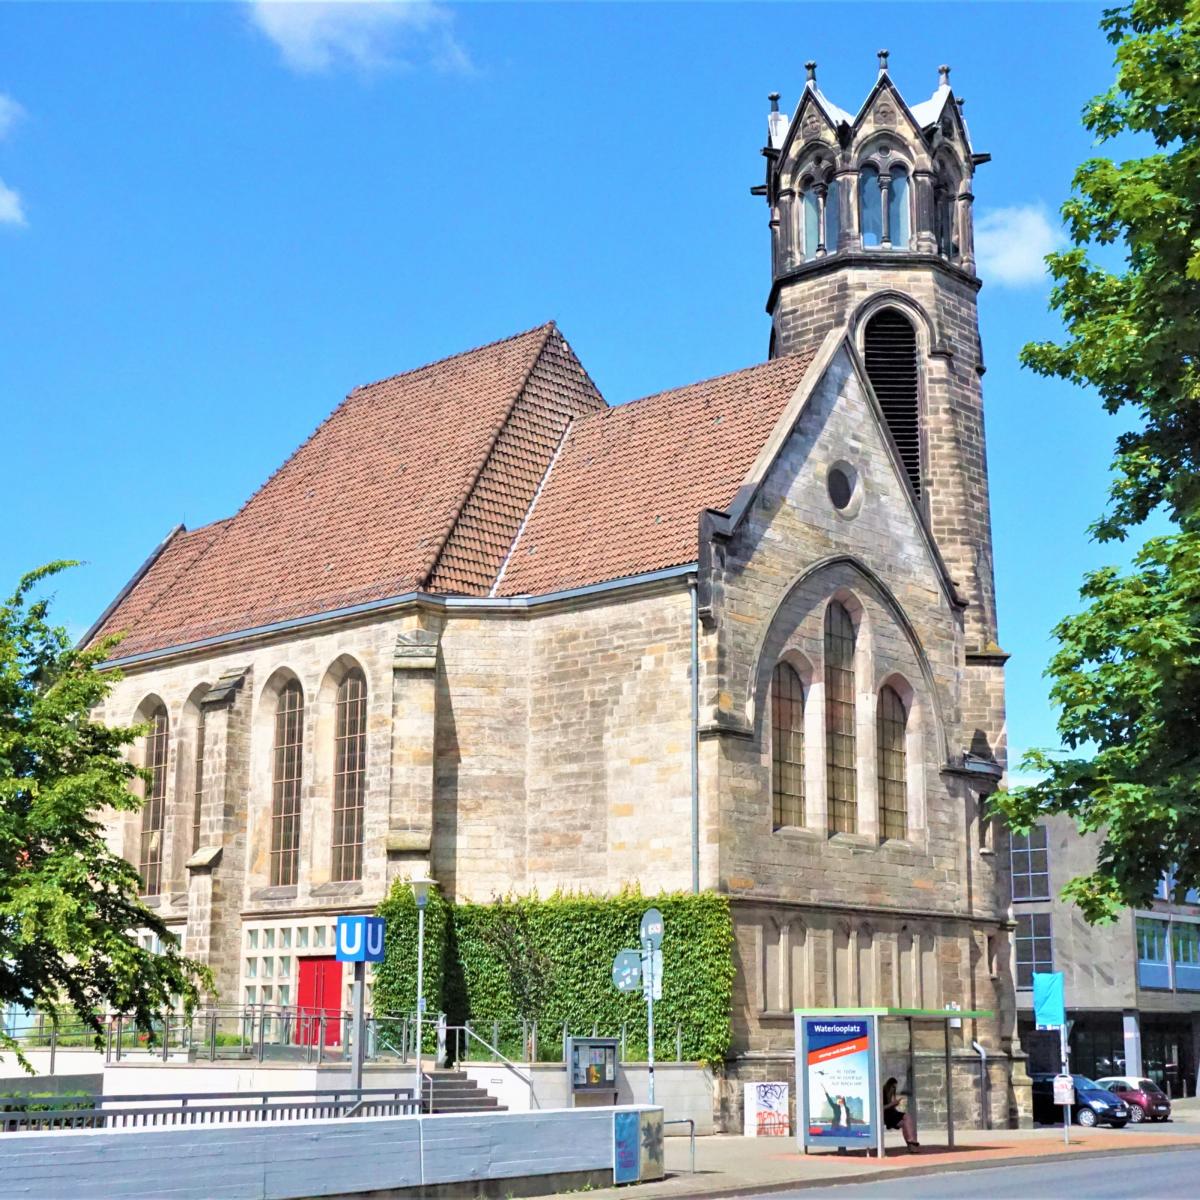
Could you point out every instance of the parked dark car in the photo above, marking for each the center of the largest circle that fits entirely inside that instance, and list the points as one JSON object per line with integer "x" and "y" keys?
{"x": 1093, "y": 1105}
{"x": 1146, "y": 1100}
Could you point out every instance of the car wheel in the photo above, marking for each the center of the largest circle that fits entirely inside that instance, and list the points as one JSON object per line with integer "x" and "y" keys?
{"x": 1137, "y": 1114}
{"x": 1085, "y": 1117}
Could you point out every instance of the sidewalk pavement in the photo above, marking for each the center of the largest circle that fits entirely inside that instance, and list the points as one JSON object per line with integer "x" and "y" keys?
{"x": 728, "y": 1165}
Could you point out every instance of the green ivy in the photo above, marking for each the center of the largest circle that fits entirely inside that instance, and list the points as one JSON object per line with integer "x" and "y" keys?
{"x": 551, "y": 961}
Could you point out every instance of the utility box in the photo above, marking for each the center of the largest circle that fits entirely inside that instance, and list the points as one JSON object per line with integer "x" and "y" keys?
{"x": 592, "y": 1067}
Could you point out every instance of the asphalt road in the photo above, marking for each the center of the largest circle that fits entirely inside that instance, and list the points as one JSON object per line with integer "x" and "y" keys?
{"x": 1169, "y": 1175}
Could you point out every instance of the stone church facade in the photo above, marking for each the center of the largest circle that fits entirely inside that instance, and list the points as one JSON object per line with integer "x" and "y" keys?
{"x": 737, "y": 636}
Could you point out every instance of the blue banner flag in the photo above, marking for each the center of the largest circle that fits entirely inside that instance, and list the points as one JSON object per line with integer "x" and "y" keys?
{"x": 1049, "y": 1007}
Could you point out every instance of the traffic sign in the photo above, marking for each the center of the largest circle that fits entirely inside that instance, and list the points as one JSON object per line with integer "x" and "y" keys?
{"x": 652, "y": 928}
{"x": 627, "y": 971}
{"x": 652, "y": 973}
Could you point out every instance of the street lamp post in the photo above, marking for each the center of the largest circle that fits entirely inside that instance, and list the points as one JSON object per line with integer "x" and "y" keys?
{"x": 421, "y": 887}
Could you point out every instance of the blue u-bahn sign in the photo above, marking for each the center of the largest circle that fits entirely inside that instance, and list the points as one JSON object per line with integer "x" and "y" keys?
{"x": 360, "y": 939}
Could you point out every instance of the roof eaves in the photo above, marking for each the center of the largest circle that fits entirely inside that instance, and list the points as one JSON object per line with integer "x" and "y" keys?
{"x": 134, "y": 580}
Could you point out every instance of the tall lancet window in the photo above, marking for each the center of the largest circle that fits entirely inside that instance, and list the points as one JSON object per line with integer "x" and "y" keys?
{"x": 842, "y": 790}
{"x": 787, "y": 747}
{"x": 890, "y": 351}
{"x": 349, "y": 776}
{"x": 870, "y": 206}
{"x": 892, "y": 727}
{"x": 286, "y": 784}
{"x": 154, "y": 809}
{"x": 898, "y": 225}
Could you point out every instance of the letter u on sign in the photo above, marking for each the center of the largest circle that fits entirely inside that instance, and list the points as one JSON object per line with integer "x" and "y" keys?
{"x": 360, "y": 939}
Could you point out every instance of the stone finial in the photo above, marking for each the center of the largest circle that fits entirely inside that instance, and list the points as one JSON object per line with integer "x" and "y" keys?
{"x": 774, "y": 99}
{"x": 943, "y": 76}
{"x": 810, "y": 70}
{"x": 883, "y": 57}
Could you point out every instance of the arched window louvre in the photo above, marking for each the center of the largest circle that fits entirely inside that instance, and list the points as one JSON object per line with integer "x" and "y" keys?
{"x": 839, "y": 720}
{"x": 287, "y": 781}
{"x": 890, "y": 346}
{"x": 154, "y": 760}
{"x": 349, "y": 778}
{"x": 198, "y": 781}
{"x": 892, "y": 725}
{"x": 787, "y": 747}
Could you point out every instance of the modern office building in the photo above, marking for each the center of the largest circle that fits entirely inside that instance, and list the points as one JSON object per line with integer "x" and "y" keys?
{"x": 1132, "y": 986}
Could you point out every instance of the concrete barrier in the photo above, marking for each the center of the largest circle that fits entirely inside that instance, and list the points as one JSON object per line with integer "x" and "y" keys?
{"x": 534, "y": 1153}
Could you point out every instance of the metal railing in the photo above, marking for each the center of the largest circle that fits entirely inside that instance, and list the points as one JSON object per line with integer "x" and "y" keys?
{"x": 520, "y": 1041}
{"x": 691, "y": 1134}
{"x": 464, "y": 1035}
{"x": 30, "y": 1114}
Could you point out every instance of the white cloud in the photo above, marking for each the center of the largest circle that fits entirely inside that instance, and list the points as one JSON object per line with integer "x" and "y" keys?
{"x": 11, "y": 212}
{"x": 10, "y": 113}
{"x": 316, "y": 35}
{"x": 1011, "y": 244}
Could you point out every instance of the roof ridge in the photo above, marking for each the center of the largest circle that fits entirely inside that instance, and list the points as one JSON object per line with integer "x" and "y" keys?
{"x": 628, "y": 404}
{"x": 544, "y": 327}
{"x": 439, "y": 546}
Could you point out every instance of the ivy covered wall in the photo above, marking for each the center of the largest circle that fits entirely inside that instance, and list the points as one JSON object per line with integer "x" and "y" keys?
{"x": 524, "y": 959}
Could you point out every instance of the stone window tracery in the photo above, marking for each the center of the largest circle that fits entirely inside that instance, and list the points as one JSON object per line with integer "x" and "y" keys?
{"x": 840, "y": 717}
{"x": 349, "y": 777}
{"x": 819, "y": 223}
{"x": 154, "y": 760}
{"x": 287, "y": 779}
{"x": 787, "y": 747}
{"x": 892, "y": 728}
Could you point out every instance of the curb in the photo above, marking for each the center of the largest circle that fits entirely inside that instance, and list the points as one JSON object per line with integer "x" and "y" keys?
{"x": 933, "y": 1168}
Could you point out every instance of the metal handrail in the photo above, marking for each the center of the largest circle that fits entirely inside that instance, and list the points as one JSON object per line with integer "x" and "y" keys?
{"x": 692, "y": 1124}
{"x": 512, "y": 1066}
{"x": 247, "y": 1097}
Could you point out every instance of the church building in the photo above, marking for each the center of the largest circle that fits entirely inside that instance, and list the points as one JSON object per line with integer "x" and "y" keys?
{"x": 739, "y": 636}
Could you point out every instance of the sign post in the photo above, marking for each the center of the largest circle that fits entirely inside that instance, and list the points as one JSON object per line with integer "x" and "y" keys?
{"x": 359, "y": 941}
{"x": 651, "y": 933}
{"x": 1050, "y": 1012}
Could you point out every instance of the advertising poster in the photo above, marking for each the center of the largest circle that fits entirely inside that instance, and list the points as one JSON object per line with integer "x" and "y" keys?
{"x": 840, "y": 1101}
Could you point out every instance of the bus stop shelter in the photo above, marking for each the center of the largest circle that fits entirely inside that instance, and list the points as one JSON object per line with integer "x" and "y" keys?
{"x": 839, "y": 1055}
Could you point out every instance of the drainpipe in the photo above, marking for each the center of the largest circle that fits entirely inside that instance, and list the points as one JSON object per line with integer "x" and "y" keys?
{"x": 983, "y": 1085}
{"x": 695, "y": 734}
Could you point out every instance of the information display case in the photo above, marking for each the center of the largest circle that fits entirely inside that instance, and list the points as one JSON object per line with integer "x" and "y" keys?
{"x": 592, "y": 1063}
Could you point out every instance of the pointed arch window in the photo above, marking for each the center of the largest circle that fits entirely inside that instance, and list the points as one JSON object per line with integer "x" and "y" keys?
{"x": 198, "y": 780}
{"x": 288, "y": 777}
{"x": 890, "y": 353}
{"x": 787, "y": 747}
{"x": 349, "y": 776}
{"x": 892, "y": 732}
{"x": 840, "y": 715}
{"x": 154, "y": 760}
{"x": 898, "y": 204}
{"x": 870, "y": 206}
{"x": 945, "y": 190}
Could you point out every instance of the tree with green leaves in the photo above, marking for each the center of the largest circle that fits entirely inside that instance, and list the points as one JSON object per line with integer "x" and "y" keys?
{"x": 69, "y": 907}
{"x": 1126, "y": 676}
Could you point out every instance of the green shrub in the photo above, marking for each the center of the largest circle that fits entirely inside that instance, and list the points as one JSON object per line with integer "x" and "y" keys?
{"x": 551, "y": 960}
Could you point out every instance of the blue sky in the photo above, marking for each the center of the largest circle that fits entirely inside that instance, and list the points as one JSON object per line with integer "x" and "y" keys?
{"x": 217, "y": 219}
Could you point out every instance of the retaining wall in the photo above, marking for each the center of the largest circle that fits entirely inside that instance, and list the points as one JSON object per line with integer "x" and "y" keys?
{"x": 546, "y": 1151}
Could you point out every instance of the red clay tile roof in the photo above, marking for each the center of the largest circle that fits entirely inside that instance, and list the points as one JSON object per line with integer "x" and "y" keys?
{"x": 422, "y": 482}
{"x": 358, "y": 513}
{"x": 625, "y": 494}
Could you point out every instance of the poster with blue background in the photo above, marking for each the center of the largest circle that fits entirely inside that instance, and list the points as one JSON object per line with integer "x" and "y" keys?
{"x": 838, "y": 1054}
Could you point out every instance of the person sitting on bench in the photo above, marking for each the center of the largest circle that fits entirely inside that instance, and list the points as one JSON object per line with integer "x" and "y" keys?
{"x": 897, "y": 1116}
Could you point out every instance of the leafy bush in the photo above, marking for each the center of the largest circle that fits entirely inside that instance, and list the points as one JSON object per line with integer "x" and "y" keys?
{"x": 551, "y": 961}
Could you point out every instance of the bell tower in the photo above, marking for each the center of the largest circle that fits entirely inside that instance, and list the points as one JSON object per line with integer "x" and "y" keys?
{"x": 871, "y": 228}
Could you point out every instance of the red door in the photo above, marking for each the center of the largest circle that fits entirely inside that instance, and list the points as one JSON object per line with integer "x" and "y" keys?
{"x": 319, "y": 993}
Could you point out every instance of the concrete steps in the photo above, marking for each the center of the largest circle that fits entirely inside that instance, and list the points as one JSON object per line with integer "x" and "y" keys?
{"x": 453, "y": 1092}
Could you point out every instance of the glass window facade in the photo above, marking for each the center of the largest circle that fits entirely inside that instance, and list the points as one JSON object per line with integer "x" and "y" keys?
{"x": 1030, "y": 865}
{"x": 787, "y": 747}
{"x": 892, "y": 726}
{"x": 349, "y": 776}
{"x": 154, "y": 808}
{"x": 288, "y": 777}
{"x": 840, "y": 756}
{"x": 1034, "y": 945}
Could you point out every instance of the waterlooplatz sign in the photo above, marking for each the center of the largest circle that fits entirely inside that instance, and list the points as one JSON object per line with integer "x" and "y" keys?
{"x": 838, "y": 1076}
